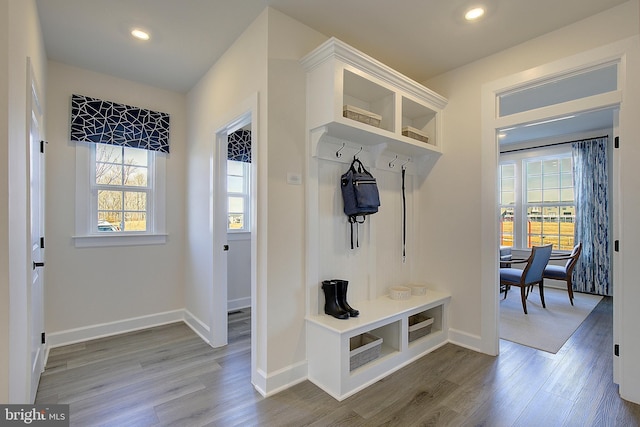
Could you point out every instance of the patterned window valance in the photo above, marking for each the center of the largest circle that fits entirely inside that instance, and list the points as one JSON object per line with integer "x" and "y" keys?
{"x": 239, "y": 146}
{"x": 95, "y": 120}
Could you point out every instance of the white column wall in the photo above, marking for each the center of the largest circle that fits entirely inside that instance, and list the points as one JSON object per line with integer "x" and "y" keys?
{"x": 264, "y": 60}
{"x": 289, "y": 41}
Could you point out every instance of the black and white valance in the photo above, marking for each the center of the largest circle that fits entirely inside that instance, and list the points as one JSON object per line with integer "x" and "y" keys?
{"x": 239, "y": 146}
{"x": 99, "y": 121}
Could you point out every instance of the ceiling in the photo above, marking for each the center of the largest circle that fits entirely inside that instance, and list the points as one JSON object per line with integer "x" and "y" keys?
{"x": 419, "y": 38}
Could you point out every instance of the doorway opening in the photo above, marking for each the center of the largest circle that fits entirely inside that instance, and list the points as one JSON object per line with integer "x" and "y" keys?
{"x": 234, "y": 230}
{"x": 238, "y": 189}
{"x": 542, "y": 200}
{"x": 557, "y": 98}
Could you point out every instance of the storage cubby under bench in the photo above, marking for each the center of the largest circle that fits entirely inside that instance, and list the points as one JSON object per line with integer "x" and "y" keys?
{"x": 329, "y": 355}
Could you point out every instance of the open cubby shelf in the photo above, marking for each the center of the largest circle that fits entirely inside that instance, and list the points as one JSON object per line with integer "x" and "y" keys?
{"x": 338, "y": 75}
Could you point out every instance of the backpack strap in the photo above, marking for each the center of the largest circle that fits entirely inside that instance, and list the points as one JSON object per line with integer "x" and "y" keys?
{"x": 353, "y": 220}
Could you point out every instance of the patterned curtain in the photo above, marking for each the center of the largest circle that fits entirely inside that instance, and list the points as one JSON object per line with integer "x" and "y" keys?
{"x": 99, "y": 121}
{"x": 590, "y": 174}
{"x": 239, "y": 146}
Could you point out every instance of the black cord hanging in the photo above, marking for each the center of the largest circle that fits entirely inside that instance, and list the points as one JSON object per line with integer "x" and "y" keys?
{"x": 404, "y": 217}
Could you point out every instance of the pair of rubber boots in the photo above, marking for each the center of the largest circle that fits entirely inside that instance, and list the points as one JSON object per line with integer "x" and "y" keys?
{"x": 335, "y": 297}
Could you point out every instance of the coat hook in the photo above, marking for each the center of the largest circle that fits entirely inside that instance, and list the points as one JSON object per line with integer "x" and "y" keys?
{"x": 404, "y": 165}
{"x": 338, "y": 153}
{"x": 355, "y": 156}
{"x": 392, "y": 163}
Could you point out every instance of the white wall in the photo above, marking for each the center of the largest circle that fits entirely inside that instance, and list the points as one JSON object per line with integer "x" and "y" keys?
{"x": 289, "y": 41}
{"x": 239, "y": 271}
{"x": 87, "y": 287}
{"x": 239, "y": 74}
{"x": 4, "y": 203}
{"x": 20, "y": 39}
{"x": 453, "y": 193}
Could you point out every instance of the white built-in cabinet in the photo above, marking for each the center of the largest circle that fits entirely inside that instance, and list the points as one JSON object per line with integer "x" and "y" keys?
{"x": 339, "y": 75}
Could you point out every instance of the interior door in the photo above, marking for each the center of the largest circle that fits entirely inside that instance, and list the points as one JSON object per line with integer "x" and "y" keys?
{"x": 36, "y": 293}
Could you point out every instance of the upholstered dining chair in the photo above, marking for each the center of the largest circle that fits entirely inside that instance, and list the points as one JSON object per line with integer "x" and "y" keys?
{"x": 564, "y": 272}
{"x": 530, "y": 275}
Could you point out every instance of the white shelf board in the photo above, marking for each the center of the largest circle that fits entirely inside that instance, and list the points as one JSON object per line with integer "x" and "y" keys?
{"x": 378, "y": 310}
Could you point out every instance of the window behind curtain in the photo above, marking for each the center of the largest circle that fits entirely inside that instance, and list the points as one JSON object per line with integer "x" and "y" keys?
{"x": 121, "y": 154}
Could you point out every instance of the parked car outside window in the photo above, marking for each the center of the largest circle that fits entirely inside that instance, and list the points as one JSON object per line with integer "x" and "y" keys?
{"x": 107, "y": 226}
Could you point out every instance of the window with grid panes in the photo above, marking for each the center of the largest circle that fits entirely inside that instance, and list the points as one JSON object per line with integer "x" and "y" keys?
{"x": 121, "y": 188}
{"x": 238, "y": 195}
{"x": 536, "y": 199}
{"x": 549, "y": 202}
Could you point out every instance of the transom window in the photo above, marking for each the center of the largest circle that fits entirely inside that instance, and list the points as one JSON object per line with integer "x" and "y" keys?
{"x": 537, "y": 203}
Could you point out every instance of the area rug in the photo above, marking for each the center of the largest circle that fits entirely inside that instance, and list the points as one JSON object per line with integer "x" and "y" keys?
{"x": 545, "y": 329}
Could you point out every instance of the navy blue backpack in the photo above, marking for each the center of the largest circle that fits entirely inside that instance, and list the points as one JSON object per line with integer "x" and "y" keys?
{"x": 360, "y": 195}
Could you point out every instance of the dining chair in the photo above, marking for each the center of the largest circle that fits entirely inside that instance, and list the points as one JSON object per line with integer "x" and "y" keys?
{"x": 530, "y": 275}
{"x": 564, "y": 272}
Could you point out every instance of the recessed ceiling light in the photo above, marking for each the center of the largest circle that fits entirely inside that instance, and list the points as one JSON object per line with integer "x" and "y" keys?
{"x": 473, "y": 14}
{"x": 140, "y": 34}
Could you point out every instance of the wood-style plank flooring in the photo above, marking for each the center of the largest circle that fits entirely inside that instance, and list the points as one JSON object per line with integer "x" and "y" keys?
{"x": 166, "y": 376}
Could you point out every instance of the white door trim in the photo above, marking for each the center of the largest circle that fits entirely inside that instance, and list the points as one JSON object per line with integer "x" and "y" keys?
{"x": 618, "y": 51}
{"x": 36, "y": 209}
{"x": 241, "y": 114}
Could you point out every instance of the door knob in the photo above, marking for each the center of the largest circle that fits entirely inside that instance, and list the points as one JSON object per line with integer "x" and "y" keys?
{"x": 225, "y": 247}
{"x": 37, "y": 264}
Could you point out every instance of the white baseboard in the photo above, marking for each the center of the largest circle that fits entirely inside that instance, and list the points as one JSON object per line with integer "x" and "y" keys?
{"x": 238, "y": 303}
{"x": 86, "y": 333}
{"x": 198, "y": 326}
{"x": 275, "y": 382}
{"x": 466, "y": 340}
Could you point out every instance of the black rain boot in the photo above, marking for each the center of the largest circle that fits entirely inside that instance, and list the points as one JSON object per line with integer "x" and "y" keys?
{"x": 342, "y": 298}
{"x": 331, "y": 306}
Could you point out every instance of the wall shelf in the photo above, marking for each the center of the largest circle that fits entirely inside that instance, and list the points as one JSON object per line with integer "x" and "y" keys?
{"x": 338, "y": 75}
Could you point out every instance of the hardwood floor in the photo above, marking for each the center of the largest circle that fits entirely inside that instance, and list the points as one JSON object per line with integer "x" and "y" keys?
{"x": 166, "y": 376}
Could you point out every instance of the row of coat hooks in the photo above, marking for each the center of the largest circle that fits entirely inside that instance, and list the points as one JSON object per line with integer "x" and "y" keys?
{"x": 392, "y": 163}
